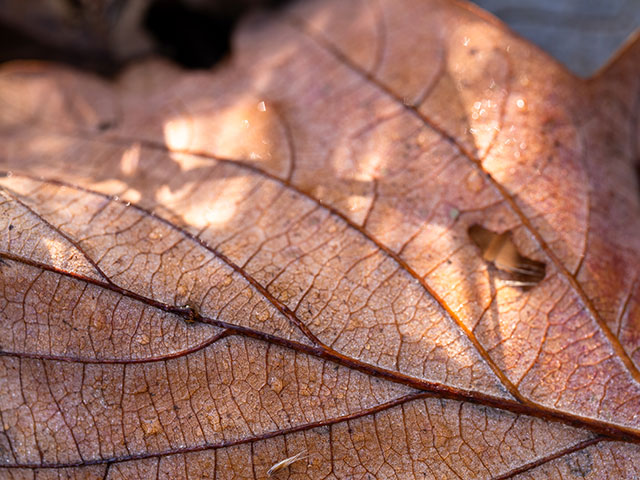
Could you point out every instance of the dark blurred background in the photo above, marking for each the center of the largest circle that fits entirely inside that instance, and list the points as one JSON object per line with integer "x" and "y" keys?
{"x": 582, "y": 34}
{"x": 104, "y": 35}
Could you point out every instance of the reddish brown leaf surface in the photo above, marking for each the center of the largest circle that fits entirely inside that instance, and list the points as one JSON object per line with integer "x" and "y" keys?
{"x": 205, "y": 273}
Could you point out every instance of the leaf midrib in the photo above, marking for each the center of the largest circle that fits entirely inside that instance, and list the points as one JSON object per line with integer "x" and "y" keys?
{"x": 427, "y": 388}
{"x": 603, "y": 428}
{"x": 293, "y": 318}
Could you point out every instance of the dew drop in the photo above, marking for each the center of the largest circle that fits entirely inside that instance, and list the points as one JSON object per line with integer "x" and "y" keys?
{"x": 521, "y": 103}
{"x": 245, "y": 123}
{"x": 474, "y": 183}
{"x": 262, "y": 316}
{"x": 276, "y": 384}
{"x": 262, "y": 107}
{"x": 155, "y": 234}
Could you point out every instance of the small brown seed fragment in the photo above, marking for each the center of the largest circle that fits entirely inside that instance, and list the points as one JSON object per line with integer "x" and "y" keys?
{"x": 190, "y": 313}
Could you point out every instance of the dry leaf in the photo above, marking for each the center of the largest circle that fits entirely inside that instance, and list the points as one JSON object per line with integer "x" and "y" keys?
{"x": 204, "y": 273}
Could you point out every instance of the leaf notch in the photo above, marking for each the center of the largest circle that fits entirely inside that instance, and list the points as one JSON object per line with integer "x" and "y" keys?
{"x": 499, "y": 250}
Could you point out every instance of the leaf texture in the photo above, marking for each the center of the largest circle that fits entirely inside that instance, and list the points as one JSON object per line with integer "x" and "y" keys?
{"x": 205, "y": 273}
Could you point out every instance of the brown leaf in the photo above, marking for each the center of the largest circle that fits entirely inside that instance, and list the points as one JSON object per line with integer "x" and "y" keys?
{"x": 206, "y": 273}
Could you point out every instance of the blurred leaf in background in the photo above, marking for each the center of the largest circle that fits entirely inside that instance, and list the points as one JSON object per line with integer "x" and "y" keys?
{"x": 105, "y": 35}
